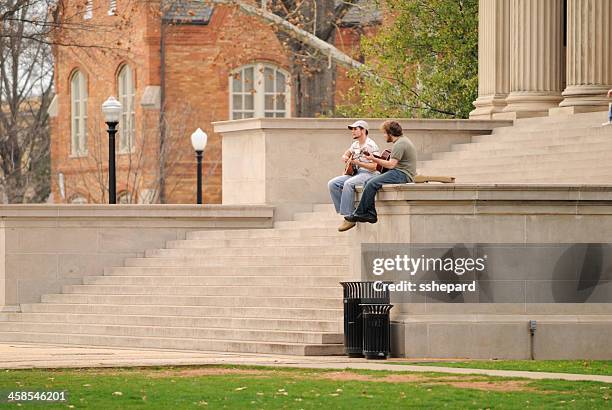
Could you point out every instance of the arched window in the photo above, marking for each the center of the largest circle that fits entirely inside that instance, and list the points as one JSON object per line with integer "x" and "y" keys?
{"x": 78, "y": 103}
{"x": 259, "y": 90}
{"x": 125, "y": 81}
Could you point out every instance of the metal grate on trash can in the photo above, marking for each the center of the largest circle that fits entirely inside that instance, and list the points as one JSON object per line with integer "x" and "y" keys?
{"x": 376, "y": 330}
{"x": 355, "y": 294}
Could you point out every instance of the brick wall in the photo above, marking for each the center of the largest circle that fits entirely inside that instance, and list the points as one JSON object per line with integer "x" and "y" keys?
{"x": 198, "y": 60}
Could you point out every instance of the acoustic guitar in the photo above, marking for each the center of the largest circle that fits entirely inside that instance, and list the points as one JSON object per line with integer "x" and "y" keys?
{"x": 386, "y": 154}
{"x": 350, "y": 169}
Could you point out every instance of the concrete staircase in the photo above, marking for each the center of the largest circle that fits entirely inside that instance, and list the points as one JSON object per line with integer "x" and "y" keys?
{"x": 257, "y": 291}
{"x": 554, "y": 149}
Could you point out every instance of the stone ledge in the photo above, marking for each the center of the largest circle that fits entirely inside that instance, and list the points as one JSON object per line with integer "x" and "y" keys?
{"x": 141, "y": 211}
{"x": 495, "y": 192}
{"x": 477, "y": 126}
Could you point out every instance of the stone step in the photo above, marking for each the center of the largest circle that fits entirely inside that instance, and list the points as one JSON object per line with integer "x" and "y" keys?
{"x": 533, "y": 142}
{"x": 528, "y": 160}
{"x": 539, "y": 176}
{"x": 553, "y": 149}
{"x": 262, "y": 312}
{"x": 252, "y": 251}
{"x": 261, "y": 242}
{"x": 328, "y": 208}
{"x": 237, "y": 301}
{"x": 213, "y": 280}
{"x": 218, "y": 261}
{"x": 183, "y": 321}
{"x": 175, "y": 332}
{"x": 265, "y": 233}
{"x": 525, "y": 135}
{"x": 502, "y": 172}
{"x": 555, "y": 122}
{"x": 328, "y": 221}
{"x": 297, "y": 270}
{"x": 533, "y": 168}
{"x": 296, "y": 290}
{"x": 299, "y": 349}
{"x": 316, "y": 216}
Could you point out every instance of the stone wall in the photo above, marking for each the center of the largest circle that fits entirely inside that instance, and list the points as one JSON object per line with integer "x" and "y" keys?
{"x": 287, "y": 163}
{"x": 496, "y": 214}
{"x": 45, "y": 247}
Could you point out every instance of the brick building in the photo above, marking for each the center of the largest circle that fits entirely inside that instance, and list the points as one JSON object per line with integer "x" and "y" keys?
{"x": 201, "y": 63}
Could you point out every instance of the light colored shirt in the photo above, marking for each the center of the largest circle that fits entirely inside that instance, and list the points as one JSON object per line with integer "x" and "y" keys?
{"x": 358, "y": 150}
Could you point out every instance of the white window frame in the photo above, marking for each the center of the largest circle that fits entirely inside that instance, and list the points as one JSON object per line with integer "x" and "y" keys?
{"x": 112, "y": 8}
{"x": 127, "y": 122}
{"x": 259, "y": 95}
{"x": 88, "y": 10}
{"x": 78, "y": 114}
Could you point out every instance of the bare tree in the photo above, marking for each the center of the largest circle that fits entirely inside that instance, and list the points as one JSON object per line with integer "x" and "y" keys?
{"x": 26, "y": 73}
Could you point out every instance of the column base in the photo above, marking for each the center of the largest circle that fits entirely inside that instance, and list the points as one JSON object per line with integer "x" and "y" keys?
{"x": 527, "y": 104}
{"x": 586, "y": 96}
{"x": 487, "y": 106}
{"x": 576, "y": 109}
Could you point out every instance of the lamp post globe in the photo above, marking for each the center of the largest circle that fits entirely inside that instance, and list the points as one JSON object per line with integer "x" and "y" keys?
{"x": 198, "y": 140}
{"x": 111, "y": 108}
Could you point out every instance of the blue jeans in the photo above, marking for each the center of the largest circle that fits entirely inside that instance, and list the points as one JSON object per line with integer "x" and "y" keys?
{"x": 366, "y": 206}
{"x": 342, "y": 190}
{"x": 610, "y": 114}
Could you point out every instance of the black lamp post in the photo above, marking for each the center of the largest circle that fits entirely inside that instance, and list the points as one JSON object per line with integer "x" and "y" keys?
{"x": 112, "y": 111}
{"x": 198, "y": 141}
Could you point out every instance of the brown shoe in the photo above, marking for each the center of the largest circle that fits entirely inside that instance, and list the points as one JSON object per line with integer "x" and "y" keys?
{"x": 346, "y": 225}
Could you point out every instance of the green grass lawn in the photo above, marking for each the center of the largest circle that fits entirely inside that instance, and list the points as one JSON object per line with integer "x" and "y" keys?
{"x": 600, "y": 367}
{"x": 270, "y": 388}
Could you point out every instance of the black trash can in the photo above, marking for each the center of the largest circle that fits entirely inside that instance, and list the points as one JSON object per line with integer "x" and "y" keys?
{"x": 376, "y": 330}
{"x": 356, "y": 293}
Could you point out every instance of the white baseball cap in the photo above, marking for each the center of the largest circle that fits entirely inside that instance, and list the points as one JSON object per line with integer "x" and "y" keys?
{"x": 359, "y": 123}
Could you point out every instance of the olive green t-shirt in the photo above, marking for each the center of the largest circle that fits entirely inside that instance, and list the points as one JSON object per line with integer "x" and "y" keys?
{"x": 404, "y": 152}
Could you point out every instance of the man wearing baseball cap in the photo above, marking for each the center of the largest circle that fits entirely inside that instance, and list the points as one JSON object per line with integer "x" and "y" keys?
{"x": 342, "y": 188}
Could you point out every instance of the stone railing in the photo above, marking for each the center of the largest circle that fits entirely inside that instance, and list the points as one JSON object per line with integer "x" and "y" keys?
{"x": 287, "y": 162}
{"x": 43, "y": 247}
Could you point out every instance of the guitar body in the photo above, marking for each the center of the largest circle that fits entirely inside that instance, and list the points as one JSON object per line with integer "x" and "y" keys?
{"x": 350, "y": 169}
{"x": 386, "y": 154}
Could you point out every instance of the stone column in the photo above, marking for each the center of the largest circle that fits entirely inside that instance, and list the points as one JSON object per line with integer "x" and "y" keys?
{"x": 493, "y": 58}
{"x": 536, "y": 56}
{"x": 589, "y": 54}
